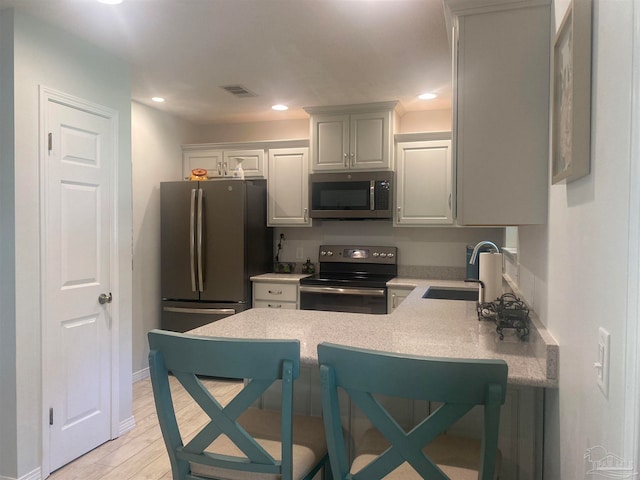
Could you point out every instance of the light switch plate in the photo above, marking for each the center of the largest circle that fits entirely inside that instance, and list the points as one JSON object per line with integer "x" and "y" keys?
{"x": 602, "y": 362}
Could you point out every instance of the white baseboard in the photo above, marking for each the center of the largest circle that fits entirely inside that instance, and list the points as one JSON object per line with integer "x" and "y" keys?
{"x": 127, "y": 425}
{"x": 139, "y": 375}
{"x": 34, "y": 475}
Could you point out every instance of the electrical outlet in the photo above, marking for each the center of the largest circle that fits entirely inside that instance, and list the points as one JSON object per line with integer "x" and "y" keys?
{"x": 299, "y": 253}
{"x": 602, "y": 363}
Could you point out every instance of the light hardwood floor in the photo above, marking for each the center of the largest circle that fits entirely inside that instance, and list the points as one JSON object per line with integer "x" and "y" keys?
{"x": 140, "y": 454}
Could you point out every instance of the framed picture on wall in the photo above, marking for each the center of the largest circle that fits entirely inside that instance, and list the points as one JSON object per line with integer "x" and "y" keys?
{"x": 571, "y": 94}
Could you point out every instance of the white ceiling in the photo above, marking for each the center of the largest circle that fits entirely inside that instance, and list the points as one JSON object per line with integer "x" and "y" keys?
{"x": 297, "y": 52}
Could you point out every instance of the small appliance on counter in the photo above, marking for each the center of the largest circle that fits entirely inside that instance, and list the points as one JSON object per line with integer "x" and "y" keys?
{"x": 350, "y": 279}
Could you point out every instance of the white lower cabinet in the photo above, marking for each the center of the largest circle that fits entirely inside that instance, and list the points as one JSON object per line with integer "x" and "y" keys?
{"x": 274, "y": 294}
{"x": 424, "y": 183}
{"x": 288, "y": 187}
{"x": 395, "y": 296}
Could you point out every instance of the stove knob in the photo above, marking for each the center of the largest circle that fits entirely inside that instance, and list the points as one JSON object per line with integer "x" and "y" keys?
{"x": 323, "y": 253}
{"x": 376, "y": 254}
{"x": 329, "y": 253}
{"x": 383, "y": 255}
{"x": 389, "y": 255}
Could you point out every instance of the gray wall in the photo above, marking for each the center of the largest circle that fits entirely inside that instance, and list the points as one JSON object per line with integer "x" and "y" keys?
{"x": 157, "y": 157}
{"x": 575, "y": 269}
{"x": 46, "y": 56}
{"x": 8, "y": 425}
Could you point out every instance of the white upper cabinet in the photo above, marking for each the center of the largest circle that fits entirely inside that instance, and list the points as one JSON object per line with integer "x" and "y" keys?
{"x": 288, "y": 187}
{"x": 210, "y": 160}
{"x": 252, "y": 161}
{"x": 424, "y": 183}
{"x": 220, "y": 162}
{"x": 353, "y": 137}
{"x": 501, "y": 110}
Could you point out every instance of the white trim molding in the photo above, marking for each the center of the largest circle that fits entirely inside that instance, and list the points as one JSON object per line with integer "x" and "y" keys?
{"x": 33, "y": 475}
{"x": 127, "y": 425}
{"x": 632, "y": 347}
{"x": 140, "y": 375}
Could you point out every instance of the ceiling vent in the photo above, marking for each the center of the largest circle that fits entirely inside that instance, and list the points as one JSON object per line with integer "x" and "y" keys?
{"x": 239, "y": 91}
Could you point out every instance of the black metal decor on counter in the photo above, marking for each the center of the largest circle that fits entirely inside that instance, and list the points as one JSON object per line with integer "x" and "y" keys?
{"x": 508, "y": 311}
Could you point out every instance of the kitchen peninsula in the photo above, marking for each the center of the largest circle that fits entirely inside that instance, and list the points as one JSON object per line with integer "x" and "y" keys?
{"x": 437, "y": 328}
{"x": 429, "y": 327}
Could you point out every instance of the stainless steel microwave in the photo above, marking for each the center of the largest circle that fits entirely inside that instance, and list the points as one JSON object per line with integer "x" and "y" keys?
{"x": 351, "y": 195}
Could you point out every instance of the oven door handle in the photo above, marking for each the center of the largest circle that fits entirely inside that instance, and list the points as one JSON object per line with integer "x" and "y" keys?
{"x": 372, "y": 292}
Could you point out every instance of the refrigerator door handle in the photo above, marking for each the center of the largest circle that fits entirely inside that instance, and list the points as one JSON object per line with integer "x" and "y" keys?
{"x": 192, "y": 239}
{"x": 199, "y": 247}
{"x": 201, "y": 311}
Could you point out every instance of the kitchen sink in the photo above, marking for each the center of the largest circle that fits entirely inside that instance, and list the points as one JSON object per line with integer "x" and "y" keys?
{"x": 451, "y": 293}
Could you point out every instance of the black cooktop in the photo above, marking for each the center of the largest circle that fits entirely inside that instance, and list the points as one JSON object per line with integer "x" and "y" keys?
{"x": 354, "y": 266}
{"x": 347, "y": 279}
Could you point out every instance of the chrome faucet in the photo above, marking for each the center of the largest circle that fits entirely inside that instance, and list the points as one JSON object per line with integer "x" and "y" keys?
{"x": 477, "y": 248}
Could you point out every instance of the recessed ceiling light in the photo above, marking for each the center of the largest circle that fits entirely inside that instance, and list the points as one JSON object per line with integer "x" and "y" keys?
{"x": 280, "y": 108}
{"x": 157, "y": 99}
{"x": 110, "y": 2}
{"x": 427, "y": 96}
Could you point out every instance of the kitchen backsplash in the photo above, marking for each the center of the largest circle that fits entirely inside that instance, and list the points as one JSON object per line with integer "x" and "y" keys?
{"x": 422, "y": 252}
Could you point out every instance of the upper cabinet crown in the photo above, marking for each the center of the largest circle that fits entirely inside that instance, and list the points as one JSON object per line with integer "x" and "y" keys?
{"x": 352, "y": 137}
{"x": 501, "y": 110}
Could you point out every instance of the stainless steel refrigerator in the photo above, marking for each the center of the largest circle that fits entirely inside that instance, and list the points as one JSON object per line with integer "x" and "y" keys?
{"x": 214, "y": 236}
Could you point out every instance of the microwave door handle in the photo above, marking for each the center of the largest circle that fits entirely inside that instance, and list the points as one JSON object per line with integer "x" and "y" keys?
{"x": 372, "y": 195}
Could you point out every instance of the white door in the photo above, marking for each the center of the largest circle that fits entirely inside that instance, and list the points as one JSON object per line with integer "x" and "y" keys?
{"x": 78, "y": 226}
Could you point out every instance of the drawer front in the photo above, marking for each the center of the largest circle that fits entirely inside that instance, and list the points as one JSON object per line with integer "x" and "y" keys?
{"x": 281, "y": 292}
{"x": 274, "y": 304}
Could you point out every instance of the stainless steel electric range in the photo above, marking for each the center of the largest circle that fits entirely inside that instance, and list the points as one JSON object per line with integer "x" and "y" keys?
{"x": 350, "y": 279}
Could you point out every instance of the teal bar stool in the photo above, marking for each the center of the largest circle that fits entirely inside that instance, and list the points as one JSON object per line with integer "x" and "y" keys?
{"x": 239, "y": 442}
{"x": 426, "y": 450}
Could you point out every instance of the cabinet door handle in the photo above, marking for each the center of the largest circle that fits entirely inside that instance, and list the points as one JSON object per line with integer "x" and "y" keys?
{"x": 449, "y": 202}
{"x": 275, "y": 292}
{"x": 398, "y": 213}
{"x": 226, "y": 171}
{"x": 274, "y": 305}
{"x": 393, "y": 300}
{"x": 353, "y": 159}
{"x": 346, "y": 159}
{"x": 219, "y": 168}
{"x": 305, "y": 215}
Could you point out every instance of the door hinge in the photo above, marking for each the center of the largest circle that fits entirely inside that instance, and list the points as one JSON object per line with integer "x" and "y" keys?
{"x": 50, "y": 141}
{"x": 51, "y": 416}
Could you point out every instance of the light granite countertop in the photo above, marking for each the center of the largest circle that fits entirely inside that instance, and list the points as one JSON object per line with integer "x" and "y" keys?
{"x": 279, "y": 277}
{"x": 437, "y": 328}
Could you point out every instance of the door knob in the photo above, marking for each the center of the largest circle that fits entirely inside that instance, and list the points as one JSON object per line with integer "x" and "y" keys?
{"x": 104, "y": 298}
